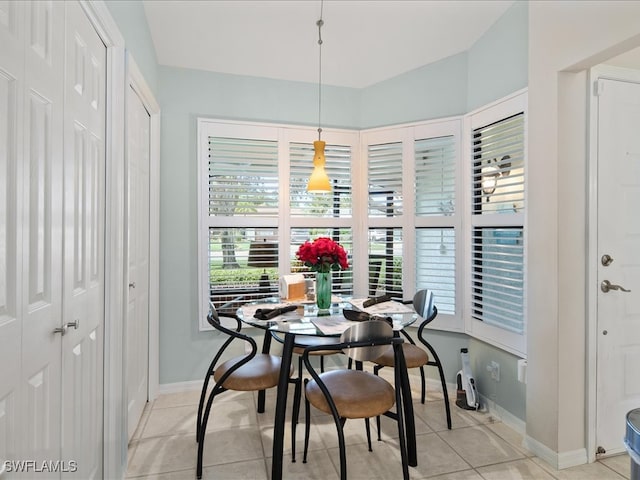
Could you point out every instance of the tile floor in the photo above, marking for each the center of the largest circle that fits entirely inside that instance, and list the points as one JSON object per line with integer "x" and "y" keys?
{"x": 239, "y": 442}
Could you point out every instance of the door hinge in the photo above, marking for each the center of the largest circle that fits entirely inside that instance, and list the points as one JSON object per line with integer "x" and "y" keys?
{"x": 598, "y": 87}
{"x": 600, "y": 450}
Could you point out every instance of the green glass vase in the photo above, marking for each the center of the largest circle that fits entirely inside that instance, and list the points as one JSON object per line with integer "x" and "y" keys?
{"x": 323, "y": 290}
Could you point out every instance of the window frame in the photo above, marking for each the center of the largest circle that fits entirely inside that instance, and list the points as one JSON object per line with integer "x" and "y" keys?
{"x": 515, "y": 103}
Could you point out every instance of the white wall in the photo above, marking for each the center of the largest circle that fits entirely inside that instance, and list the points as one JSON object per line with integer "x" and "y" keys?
{"x": 567, "y": 37}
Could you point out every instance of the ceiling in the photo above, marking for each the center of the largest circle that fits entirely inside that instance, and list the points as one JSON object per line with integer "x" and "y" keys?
{"x": 364, "y": 41}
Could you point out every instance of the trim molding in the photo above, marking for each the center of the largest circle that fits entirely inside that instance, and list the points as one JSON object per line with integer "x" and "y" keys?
{"x": 557, "y": 460}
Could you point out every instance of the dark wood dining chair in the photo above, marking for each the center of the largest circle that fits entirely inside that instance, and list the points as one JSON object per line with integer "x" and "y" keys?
{"x": 415, "y": 356}
{"x": 250, "y": 372}
{"x": 350, "y": 394}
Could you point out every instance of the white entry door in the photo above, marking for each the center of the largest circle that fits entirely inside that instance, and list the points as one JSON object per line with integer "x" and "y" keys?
{"x": 137, "y": 322}
{"x": 618, "y": 305}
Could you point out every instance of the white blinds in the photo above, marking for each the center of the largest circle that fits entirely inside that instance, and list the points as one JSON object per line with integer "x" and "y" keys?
{"x": 435, "y": 176}
{"x": 498, "y": 277}
{"x": 498, "y": 166}
{"x": 385, "y": 262}
{"x": 338, "y": 202}
{"x": 243, "y": 177}
{"x": 436, "y": 265}
{"x": 385, "y": 179}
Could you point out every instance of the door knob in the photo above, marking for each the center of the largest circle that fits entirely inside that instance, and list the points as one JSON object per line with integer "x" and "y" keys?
{"x": 606, "y": 260}
{"x": 606, "y": 286}
{"x": 63, "y": 330}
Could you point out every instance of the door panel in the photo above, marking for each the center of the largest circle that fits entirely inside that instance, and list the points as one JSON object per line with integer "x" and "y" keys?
{"x": 11, "y": 88}
{"x": 40, "y": 220}
{"x": 618, "y": 344}
{"x": 84, "y": 218}
{"x": 137, "y": 352}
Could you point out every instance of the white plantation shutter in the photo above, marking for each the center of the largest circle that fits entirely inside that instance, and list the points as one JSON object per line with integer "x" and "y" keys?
{"x": 498, "y": 277}
{"x": 436, "y": 265}
{"x": 385, "y": 179}
{"x": 498, "y": 248}
{"x": 338, "y": 202}
{"x": 435, "y": 174}
{"x": 498, "y": 163}
{"x": 243, "y": 177}
{"x": 385, "y": 262}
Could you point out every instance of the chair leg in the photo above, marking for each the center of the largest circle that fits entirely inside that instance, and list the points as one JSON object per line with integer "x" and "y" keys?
{"x": 203, "y": 432}
{"x": 424, "y": 386}
{"x": 307, "y": 425}
{"x": 446, "y": 394}
{"x": 367, "y": 427}
{"x": 296, "y": 410}
{"x": 203, "y": 395}
{"x": 376, "y": 369}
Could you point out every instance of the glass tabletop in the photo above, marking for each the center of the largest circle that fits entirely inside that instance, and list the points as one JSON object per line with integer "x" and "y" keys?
{"x": 307, "y": 320}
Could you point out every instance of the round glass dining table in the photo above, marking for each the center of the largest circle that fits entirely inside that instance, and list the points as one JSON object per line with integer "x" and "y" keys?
{"x": 307, "y": 320}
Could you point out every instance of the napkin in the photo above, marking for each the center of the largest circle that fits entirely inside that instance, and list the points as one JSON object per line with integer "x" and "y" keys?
{"x": 376, "y": 300}
{"x": 269, "y": 313}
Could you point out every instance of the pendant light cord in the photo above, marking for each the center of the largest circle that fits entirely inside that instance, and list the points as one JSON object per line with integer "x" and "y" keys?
{"x": 320, "y": 23}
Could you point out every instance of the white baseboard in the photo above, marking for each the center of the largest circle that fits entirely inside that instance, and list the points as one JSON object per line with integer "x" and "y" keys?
{"x": 557, "y": 460}
{"x": 503, "y": 415}
{"x": 179, "y": 387}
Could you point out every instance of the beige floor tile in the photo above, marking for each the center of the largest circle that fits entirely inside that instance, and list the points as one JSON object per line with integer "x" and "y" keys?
{"x": 462, "y": 475}
{"x": 162, "y": 454}
{"x": 619, "y": 463}
{"x": 508, "y": 434}
{"x": 480, "y": 446}
{"x": 239, "y": 445}
{"x": 517, "y": 470}
{"x": 137, "y": 434}
{"x": 381, "y": 464}
{"x": 318, "y": 467}
{"x": 435, "y": 457}
{"x": 590, "y": 471}
{"x": 179, "y": 399}
{"x": 433, "y": 413}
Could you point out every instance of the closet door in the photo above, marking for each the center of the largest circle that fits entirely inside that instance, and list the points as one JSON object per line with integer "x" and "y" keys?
{"x": 31, "y": 73}
{"x": 83, "y": 259}
{"x": 52, "y": 124}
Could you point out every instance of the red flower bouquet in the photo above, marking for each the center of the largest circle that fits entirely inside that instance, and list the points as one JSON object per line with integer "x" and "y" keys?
{"x": 323, "y": 255}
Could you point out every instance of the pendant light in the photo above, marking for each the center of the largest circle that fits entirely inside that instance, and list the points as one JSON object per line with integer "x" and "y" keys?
{"x": 319, "y": 180}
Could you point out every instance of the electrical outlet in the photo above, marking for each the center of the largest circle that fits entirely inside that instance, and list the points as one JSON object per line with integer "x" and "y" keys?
{"x": 494, "y": 369}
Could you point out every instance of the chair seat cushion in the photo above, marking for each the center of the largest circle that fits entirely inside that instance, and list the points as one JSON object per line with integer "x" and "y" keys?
{"x": 261, "y": 372}
{"x": 414, "y": 356}
{"x": 357, "y": 394}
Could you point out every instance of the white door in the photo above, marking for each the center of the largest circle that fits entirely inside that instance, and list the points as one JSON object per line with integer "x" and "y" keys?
{"x": 83, "y": 261}
{"x": 51, "y": 237}
{"x": 137, "y": 321}
{"x": 618, "y": 342}
{"x": 31, "y": 156}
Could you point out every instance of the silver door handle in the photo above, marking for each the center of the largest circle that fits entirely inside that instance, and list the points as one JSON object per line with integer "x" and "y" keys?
{"x": 606, "y": 286}
{"x": 63, "y": 330}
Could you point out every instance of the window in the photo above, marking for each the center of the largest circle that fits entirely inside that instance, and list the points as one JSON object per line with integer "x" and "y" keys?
{"x": 437, "y": 180}
{"x": 497, "y": 234}
{"x": 254, "y": 210}
{"x": 415, "y": 206}
{"x": 413, "y": 219}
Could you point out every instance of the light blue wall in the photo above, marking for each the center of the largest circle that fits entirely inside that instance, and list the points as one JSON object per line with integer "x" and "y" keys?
{"x": 498, "y": 61}
{"x": 436, "y": 90}
{"x": 132, "y": 23}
